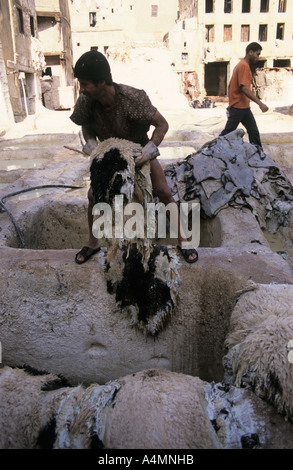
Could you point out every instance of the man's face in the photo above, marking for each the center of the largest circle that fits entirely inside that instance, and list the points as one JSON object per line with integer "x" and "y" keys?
{"x": 254, "y": 56}
{"x": 89, "y": 88}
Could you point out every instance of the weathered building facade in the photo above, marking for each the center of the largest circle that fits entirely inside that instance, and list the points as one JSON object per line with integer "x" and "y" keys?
{"x": 210, "y": 37}
{"x": 7, "y": 114}
{"x": 54, "y": 29}
{"x": 100, "y": 24}
{"x": 20, "y": 60}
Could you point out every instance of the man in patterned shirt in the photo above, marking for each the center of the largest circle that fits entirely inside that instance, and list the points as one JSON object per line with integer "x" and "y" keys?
{"x": 105, "y": 109}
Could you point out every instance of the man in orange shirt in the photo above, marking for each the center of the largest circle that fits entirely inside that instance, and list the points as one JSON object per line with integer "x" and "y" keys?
{"x": 240, "y": 95}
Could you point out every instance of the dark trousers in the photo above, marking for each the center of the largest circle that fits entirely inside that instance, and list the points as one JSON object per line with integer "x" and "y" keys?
{"x": 245, "y": 116}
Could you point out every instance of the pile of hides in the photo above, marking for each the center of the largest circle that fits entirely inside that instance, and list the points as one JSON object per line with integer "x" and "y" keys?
{"x": 149, "y": 409}
{"x": 143, "y": 276}
{"x": 206, "y": 103}
{"x": 230, "y": 172}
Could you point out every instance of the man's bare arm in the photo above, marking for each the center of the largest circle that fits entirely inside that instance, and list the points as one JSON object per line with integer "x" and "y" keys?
{"x": 87, "y": 133}
{"x": 90, "y": 139}
{"x": 161, "y": 128}
{"x": 150, "y": 150}
{"x": 252, "y": 96}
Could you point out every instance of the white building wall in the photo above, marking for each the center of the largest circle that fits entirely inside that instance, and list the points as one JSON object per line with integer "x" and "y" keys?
{"x": 21, "y": 58}
{"x": 192, "y": 51}
{"x": 6, "y": 116}
{"x": 54, "y": 29}
{"x": 235, "y": 49}
{"x": 118, "y": 22}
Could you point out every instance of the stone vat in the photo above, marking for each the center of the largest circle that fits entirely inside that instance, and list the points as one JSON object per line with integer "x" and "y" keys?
{"x": 59, "y": 317}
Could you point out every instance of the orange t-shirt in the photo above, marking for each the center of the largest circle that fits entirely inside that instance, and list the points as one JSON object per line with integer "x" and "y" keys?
{"x": 241, "y": 76}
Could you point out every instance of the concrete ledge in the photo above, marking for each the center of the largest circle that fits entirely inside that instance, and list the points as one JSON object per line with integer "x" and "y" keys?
{"x": 58, "y": 316}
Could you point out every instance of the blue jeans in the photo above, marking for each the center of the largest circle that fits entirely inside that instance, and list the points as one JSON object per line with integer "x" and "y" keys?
{"x": 245, "y": 116}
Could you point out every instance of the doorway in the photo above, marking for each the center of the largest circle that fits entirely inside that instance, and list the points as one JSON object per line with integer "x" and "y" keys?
{"x": 215, "y": 79}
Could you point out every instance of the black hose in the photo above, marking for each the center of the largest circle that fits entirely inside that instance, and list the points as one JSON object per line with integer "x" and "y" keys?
{"x": 6, "y": 196}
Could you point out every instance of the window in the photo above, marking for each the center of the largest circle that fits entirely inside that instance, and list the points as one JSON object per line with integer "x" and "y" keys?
{"x": 209, "y": 6}
{"x": 32, "y": 26}
{"x": 93, "y": 18}
{"x": 20, "y": 20}
{"x": 209, "y": 32}
{"x": 245, "y": 6}
{"x": 227, "y": 6}
{"x": 184, "y": 56}
{"x": 264, "y": 6}
{"x": 47, "y": 72}
{"x": 154, "y": 10}
{"x": 245, "y": 33}
{"x": 280, "y": 30}
{"x": 281, "y": 63}
{"x": 282, "y": 6}
{"x": 52, "y": 60}
{"x": 183, "y": 24}
{"x": 261, "y": 63}
{"x": 227, "y": 32}
{"x": 263, "y": 32}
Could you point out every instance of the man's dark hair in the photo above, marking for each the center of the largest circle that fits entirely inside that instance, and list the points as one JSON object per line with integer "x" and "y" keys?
{"x": 93, "y": 65}
{"x": 253, "y": 46}
{"x": 108, "y": 81}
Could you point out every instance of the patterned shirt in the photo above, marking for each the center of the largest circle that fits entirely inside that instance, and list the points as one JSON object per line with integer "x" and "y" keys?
{"x": 130, "y": 117}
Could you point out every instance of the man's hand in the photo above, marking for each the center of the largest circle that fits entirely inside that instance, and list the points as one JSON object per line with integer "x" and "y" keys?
{"x": 263, "y": 107}
{"x": 252, "y": 96}
{"x": 149, "y": 152}
{"x": 89, "y": 146}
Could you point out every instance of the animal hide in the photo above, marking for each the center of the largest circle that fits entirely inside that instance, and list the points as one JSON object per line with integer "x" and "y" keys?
{"x": 230, "y": 172}
{"x": 150, "y": 409}
{"x": 260, "y": 329}
{"x": 113, "y": 173}
{"x": 145, "y": 278}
